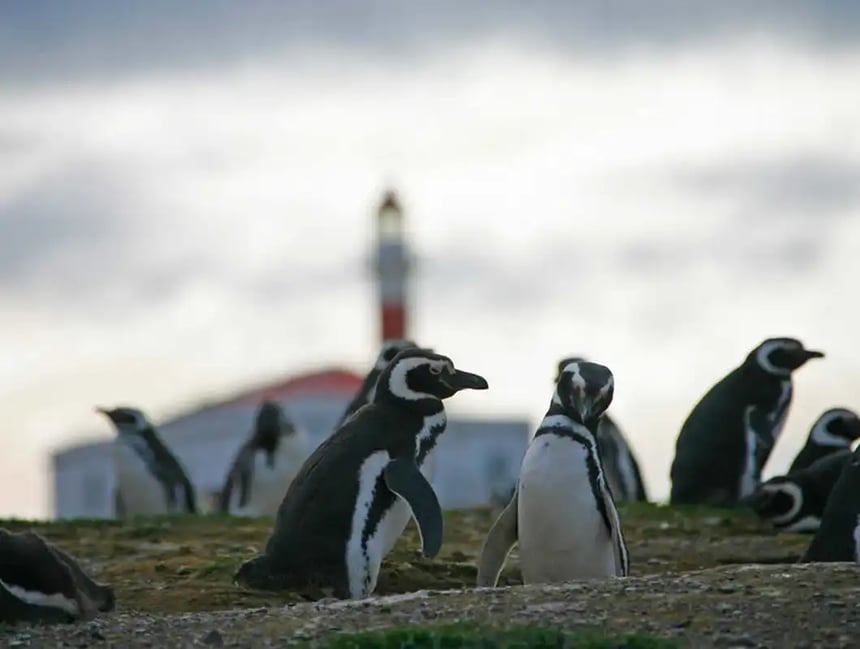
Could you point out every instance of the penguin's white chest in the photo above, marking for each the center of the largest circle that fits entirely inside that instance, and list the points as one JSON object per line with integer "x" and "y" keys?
{"x": 141, "y": 492}
{"x": 364, "y": 556}
{"x": 269, "y": 483}
{"x": 562, "y": 535}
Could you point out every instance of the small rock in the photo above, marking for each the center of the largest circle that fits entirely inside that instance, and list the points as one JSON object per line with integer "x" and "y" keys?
{"x": 682, "y": 624}
{"x": 743, "y": 640}
{"x": 213, "y": 639}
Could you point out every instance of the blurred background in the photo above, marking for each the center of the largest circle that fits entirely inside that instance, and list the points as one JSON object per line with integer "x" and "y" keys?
{"x": 189, "y": 194}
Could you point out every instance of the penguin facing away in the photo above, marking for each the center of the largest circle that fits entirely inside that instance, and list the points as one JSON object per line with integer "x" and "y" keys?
{"x": 796, "y": 502}
{"x": 838, "y": 538}
{"x": 265, "y": 464}
{"x": 39, "y": 583}
{"x": 353, "y": 496}
{"x": 390, "y": 348}
{"x": 835, "y": 429}
{"x": 619, "y": 463}
{"x": 562, "y": 515}
{"x": 729, "y": 434}
{"x": 150, "y": 478}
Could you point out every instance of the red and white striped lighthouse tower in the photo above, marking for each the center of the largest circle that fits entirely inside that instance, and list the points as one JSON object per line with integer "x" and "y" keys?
{"x": 392, "y": 267}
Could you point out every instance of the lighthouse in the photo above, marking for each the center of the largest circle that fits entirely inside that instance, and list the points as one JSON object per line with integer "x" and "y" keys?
{"x": 392, "y": 267}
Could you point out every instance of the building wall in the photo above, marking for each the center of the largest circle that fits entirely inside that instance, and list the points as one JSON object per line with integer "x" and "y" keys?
{"x": 476, "y": 459}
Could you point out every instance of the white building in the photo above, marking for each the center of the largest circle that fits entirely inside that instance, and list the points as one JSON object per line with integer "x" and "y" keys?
{"x": 477, "y": 458}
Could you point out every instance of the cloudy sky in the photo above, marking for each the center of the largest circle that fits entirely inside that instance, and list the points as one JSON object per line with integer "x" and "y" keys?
{"x": 186, "y": 194}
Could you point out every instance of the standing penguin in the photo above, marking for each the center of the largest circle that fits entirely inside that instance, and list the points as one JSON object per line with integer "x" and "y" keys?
{"x": 835, "y": 429}
{"x": 838, "y": 538}
{"x": 796, "y": 502}
{"x": 390, "y": 349}
{"x": 729, "y": 435}
{"x": 39, "y": 583}
{"x": 353, "y": 496}
{"x": 265, "y": 465}
{"x": 562, "y": 515}
{"x": 150, "y": 479}
{"x": 619, "y": 462}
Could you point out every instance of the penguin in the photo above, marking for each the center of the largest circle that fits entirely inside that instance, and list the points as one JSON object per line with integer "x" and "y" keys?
{"x": 838, "y": 537}
{"x": 39, "y": 583}
{"x": 835, "y": 429}
{"x": 150, "y": 478}
{"x": 729, "y": 435}
{"x": 390, "y": 348}
{"x": 562, "y": 515}
{"x": 619, "y": 463}
{"x": 265, "y": 464}
{"x": 796, "y": 502}
{"x": 353, "y": 496}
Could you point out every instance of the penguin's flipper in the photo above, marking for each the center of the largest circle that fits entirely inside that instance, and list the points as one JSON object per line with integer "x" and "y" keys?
{"x": 500, "y": 539}
{"x": 403, "y": 477}
{"x": 94, "y": 596}
{"x": 622, "y": 559}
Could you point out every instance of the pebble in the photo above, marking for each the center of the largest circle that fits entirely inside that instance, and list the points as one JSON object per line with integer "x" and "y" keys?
{"x": 213, "y": 639}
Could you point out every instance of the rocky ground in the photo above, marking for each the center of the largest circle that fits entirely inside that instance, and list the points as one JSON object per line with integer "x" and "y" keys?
{"x": 708, "y": 578}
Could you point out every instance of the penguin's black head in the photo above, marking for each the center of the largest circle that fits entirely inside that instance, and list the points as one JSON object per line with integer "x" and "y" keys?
{"x": 584, "y": 390}
{"x": 781, "y": 356}
{"x": 565, "y": 362}
{"x": 126, "y": 420}
{"x": 390, "y": 348}
{"x": 418, "y": 374}
{"x": 777, "y": 501}
{"x": 836, "y": 427}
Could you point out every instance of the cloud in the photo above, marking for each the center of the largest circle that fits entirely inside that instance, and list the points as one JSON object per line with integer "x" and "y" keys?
{"x": 811, "y": 186}
{"x": 42, "y": 40}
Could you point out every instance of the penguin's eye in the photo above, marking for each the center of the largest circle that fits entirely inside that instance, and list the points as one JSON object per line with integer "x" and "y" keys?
{"x": 435, "y": 369}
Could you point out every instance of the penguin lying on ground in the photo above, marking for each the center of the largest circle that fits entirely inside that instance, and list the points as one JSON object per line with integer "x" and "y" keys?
{"x": 150, "y": 479}
{"x": 39, "y": 583}
{"x": 562, "y": 515}
{"x": 390, "y": 348}
{"x": 796, "y": 502}
{"x": 353, "y": 496}
{"x": 265, "y": 465}
{"x": 835, "y": 429}
{"x": 619, "y": 462}
{"x": 729, "y": 435}
{"x": 838, "y": 538}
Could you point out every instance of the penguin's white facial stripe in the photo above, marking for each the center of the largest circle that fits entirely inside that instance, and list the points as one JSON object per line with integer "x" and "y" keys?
{"x": 399, "y": 381}
{"x": 793, "y": 492}
{"x": 762, "y": 356}
{"x": 823, "y": 437}
{"x": 358, "y": 564}
{"x": 54, "y": 600}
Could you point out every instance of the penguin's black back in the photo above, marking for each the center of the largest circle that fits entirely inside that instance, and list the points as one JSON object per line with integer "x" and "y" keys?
{"x": 835, "y": 540}
{"x": 169, "y": 471}
{"x": 712, "y": 445}
{"x": 610, "y": 442}
{"x": 314, "y": 520}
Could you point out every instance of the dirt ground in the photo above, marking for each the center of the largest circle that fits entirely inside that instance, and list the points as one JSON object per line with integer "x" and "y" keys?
{"x": 709, "y": 578}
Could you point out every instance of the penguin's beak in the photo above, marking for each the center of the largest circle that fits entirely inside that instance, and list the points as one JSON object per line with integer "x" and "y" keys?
{"x": 811, "y": 353}
{"x": 461, "y": 380}
{"x": 105, "y": 411}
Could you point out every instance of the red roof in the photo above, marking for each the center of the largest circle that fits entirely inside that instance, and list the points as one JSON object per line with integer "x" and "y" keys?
{"x": 326, "y": 382}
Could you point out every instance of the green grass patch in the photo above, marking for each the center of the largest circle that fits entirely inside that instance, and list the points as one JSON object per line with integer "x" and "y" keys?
{"x": 462, "y": 636}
